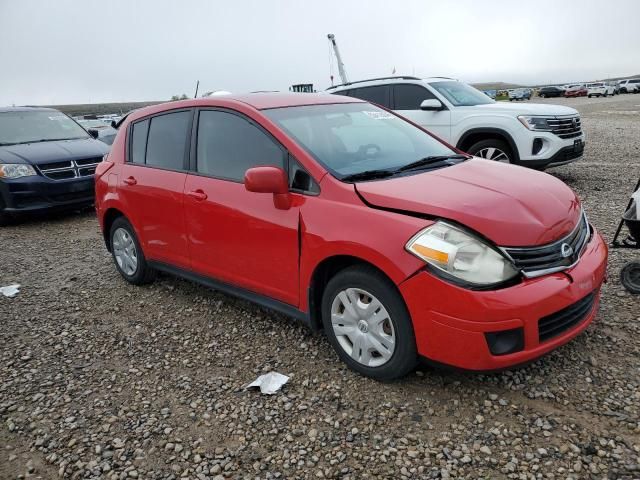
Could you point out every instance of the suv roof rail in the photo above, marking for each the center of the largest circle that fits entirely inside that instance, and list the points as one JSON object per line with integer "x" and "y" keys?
{"x": 399, "y": 77}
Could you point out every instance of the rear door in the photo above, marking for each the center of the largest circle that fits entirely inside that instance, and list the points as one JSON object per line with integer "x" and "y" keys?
{"x": 236, "y": 236}
{"x": 152, "y": 184}
{"x": 406, "y": 101}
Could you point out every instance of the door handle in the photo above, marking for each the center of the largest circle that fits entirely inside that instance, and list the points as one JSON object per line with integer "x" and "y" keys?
{"x": 130, "y": 181}
{"x": 197, "y": 195}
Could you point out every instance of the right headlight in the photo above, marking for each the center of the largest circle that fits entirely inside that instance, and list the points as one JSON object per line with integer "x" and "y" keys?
{"x": 536, "y": 123}
{"x": 461, "y": 255}
{"x": 16, "y": 170}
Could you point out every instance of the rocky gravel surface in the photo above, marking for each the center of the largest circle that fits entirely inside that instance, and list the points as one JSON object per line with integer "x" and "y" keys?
{"x": 100, "y": 379}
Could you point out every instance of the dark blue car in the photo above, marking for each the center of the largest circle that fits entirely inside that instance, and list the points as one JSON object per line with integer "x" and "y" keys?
{"x": 47, "y": 161}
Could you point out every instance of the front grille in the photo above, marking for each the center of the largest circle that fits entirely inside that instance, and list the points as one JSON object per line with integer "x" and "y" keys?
{"x": 556, "y": 323}
{"x": 554, "y": 257}
{"x": 84, "y": 167}
{"x": 566, "y": 127}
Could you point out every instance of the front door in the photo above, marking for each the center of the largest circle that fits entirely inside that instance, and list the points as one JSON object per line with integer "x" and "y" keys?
{"x": 407, "y": 98}
{"x": 236, "y": 236}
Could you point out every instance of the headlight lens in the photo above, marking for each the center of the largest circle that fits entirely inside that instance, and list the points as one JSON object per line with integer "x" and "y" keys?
{"x": 461, "y": 255}
{"x": 16, "y": 170}
{"x": 535, "y": 123}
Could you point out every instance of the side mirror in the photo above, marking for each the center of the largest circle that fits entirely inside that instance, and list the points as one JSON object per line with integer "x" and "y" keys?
{"x": 269, "y": 180}
{"x": 93, "y": 132}
{"x": 431, "y": 104}
{"x": 114, "y": 124}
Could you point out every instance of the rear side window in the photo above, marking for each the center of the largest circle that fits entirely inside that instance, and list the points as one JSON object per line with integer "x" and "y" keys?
{"x": 229, "y": 145}
{"x": 378, "y": 94}
{"x": 139, "y": 141}
{"x": 409, "y": 97}
{"x": 167, "y": 140}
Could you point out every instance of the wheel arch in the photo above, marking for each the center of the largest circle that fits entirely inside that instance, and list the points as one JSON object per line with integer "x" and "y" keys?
{"x": 323, "y": 272}
{"x": 474, "y": 135}
{"x": 109, "y": 217}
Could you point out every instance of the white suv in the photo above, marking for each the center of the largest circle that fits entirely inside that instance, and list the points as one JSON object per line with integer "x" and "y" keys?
{"x": 630, "y": 86}
{"x": 527, "y": 134}
{"x": 600, "y": 89}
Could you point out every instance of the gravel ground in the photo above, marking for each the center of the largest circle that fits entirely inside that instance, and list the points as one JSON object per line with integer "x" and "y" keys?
{"x": 100, "y": 379}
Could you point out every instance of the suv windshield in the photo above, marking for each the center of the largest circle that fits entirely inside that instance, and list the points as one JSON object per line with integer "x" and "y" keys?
{"x": 352, "y": 138}
{"x": 25, "y": 126}
{"x": 460, "y": 94}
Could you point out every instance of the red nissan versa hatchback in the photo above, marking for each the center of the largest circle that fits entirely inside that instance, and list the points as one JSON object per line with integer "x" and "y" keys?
{"x": 354, "y": 220}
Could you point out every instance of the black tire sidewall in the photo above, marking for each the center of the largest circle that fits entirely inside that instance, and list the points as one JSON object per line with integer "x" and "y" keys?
{"x": 143, "y": 273}
{"x": 624, "y": 277}
{"x": 404, "y": 357}
{"x": 491, "y": 142}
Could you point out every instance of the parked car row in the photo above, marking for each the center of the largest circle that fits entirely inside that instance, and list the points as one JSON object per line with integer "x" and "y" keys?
{"x": 281, "y": 199}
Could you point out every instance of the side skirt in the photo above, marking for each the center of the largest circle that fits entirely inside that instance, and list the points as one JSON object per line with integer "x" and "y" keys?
{"x": 262, "y": 300}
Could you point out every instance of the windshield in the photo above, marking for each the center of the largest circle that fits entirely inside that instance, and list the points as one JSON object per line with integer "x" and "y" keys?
{"x": 460, "y": 94}
{"x": 351, "y": 138}
{"x": 25, "y": 126}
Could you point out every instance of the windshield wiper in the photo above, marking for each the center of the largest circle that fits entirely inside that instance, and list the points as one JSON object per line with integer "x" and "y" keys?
{"x": 426, "y": 161}
{"x": 40, "y": 140}
{"x": 368, "y": 175}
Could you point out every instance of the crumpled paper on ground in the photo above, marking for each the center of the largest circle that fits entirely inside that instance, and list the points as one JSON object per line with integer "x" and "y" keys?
{"x": 10, "y": 290}
{"x": 269, "y": 383}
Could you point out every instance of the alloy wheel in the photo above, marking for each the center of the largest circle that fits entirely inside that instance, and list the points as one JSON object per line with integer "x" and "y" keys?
{"x": 363, "y": 327}
{"x": 492, "y": 153}
{"x": 124, "y": 251}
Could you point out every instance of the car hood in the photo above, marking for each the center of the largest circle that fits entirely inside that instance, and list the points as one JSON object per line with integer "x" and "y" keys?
{"x": 510, "y": 205}
{"x": 44, "y": 152}
{"x": 527, "y": 108}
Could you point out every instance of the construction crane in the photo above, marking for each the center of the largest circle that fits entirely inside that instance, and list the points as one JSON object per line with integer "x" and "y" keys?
{"x": 341, "y": 70}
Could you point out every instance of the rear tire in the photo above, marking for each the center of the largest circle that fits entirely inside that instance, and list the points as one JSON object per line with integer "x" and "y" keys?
{"x": 492, "y": 149}
{"x": 368, "y": 325}
{"x": 630, "y": 277}
{"x": 127, "y": 253}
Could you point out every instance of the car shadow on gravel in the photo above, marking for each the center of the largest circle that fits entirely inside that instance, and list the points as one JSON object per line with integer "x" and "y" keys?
{"x": 55, "y": 216}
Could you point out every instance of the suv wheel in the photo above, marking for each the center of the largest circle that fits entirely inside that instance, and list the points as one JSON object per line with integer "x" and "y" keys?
{"x": 368, "y": 325}
{"x": 491, "y": 149}
{"x": 127, "y": 254}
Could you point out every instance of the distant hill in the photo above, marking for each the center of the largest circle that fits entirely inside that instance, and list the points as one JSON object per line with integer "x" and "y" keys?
{"x": 495, "y": 86}
{"x": 100, "y": 108}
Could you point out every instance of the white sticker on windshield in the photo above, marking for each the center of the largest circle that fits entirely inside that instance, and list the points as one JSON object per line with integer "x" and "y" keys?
{"x": 378, "y": 115}
{"x": 57, "y": 117}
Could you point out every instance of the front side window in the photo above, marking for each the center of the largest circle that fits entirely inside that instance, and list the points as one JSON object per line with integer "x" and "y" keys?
{"x": 167, "y": 140}
{"x": 229, "y": 145}
{"x": 30, "y": 126}
{"x": 410, "y": 96}
{"x": 351, "y": 138}
{"x": 460, "y": 94}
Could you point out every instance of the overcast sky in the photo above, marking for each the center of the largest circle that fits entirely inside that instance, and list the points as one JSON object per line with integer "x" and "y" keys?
{"x": 85, "y": 51}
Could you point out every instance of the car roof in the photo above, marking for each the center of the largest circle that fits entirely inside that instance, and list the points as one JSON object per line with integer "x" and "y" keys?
{"x": 388, "y": 80}
{"x": 259, "y": 101}
{"x": 26, "y": 109}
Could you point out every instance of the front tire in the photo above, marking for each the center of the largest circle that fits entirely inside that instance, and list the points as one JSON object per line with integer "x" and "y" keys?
{"x": 368, "y": 325}
{"x": 492, "y": 149}
{"x": 630, "y": 277}
{"x": 5, "y": 218}
{"x": 127, "y": 253}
